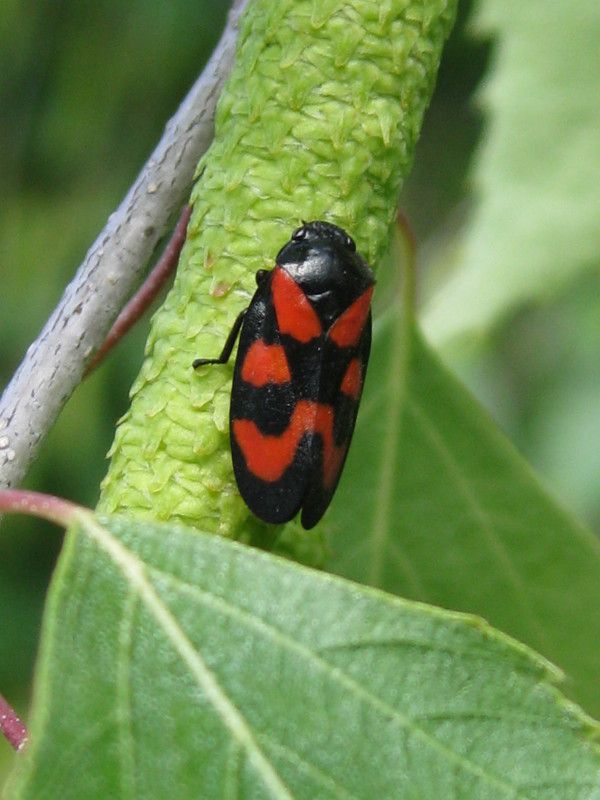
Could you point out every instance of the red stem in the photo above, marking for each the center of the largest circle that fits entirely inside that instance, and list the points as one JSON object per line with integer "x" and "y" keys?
{"x": 11, "y": 726}
{"x": 410, "y": 264}
{"x": 18, "y": 501}
{"x": 36, "y": 504}
{"x": 140, "y": 301}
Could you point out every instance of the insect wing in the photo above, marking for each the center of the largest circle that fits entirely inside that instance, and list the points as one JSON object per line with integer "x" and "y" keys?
{"x": 302, "y": 356}
{"x": 268, "y": 422}
{"x": 343, "y": 378}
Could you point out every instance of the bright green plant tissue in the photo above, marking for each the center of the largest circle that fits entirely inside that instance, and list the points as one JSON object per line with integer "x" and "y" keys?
{"x": 319, "y": 120}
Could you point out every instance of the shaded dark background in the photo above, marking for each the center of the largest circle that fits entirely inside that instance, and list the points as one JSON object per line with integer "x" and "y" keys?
{"x": 85, "y": 91}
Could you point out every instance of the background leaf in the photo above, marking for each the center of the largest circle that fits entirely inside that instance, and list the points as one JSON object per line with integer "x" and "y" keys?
{"x": 447, "y": 512}
{"x": 85, "y": 92}
{"x": 537, "y": 176}
{"x": 77, "y": 126}
{"x": 181, "y": 665}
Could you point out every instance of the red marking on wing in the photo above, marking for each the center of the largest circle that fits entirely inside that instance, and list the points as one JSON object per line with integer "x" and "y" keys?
{"x": 295, "y": 315}
{"x": 352, "y": 380}
{"x": 265, "y": 363}
{"x": 267, "y": 457}
{"x": 332, "y": 455}
{"x": 348, "y": 327}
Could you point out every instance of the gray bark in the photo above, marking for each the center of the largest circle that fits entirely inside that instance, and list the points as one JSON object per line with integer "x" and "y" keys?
{"x": 55, "y": 362}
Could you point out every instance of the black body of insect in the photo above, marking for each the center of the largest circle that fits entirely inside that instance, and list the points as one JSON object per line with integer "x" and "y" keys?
{"x": 304, "y": 345}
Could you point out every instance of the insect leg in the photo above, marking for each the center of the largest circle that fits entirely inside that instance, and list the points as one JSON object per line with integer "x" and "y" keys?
{"x": 227, "y": 347}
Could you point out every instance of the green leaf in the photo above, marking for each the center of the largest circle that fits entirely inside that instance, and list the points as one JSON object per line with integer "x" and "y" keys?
{"x": 537, "y": 176}
{"x": 456, "y": 518}
{"x": 181, "y": 665}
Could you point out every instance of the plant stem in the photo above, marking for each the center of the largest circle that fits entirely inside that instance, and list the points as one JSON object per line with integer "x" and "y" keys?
{"x": 54, "y": 364}
{"x": 318, "y": 121}
{"x": 35, "y": 504}
{"x": 147, "y": 292}
{"x": 11, "y": 726}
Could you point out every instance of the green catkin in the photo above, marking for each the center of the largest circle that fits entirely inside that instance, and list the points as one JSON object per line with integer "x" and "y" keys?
{"x": 319, "y": 120}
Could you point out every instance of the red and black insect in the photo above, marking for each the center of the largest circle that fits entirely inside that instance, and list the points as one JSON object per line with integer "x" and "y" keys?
{"x": 303, "y": 352}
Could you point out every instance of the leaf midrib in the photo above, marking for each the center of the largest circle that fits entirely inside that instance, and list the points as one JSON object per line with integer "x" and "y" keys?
{"x": 136, "y": 572}
{"x": 484, "y": 522}
{"x": 380, "y": 537}
{"x": 335, "y": 674}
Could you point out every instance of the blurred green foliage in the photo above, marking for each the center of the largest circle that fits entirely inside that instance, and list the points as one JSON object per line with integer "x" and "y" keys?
{"x": 85, "y": 91}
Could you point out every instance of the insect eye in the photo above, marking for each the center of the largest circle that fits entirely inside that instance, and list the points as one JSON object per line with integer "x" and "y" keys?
{"x": 261, "y": 274}
{"x": 350, "y": 243}
{"x": 299, "y": 234}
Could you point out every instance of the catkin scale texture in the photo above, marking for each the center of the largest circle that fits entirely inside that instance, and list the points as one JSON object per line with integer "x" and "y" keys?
{"x": 318, "y": 121}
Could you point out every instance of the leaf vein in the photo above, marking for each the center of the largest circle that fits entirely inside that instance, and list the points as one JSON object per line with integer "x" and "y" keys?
{"x": 338, "y": 676}
{"x": 123, "y": 695}
{"x": 316, "y": 773}
{"x": 485, "y": 523}
{"x": 135, "y": 571}
{"x": 380, "y": 532}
